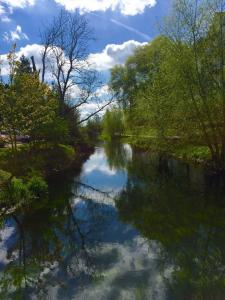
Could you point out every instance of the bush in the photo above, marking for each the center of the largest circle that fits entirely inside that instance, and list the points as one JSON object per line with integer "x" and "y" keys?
{"x": 15, "y": 191}
{"x": 37, "y": 187}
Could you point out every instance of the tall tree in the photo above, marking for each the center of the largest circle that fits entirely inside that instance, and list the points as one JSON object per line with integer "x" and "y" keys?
{"x": 24, "y": 65}
{"x": 197, "y": 32}
{"x": 66, "y": 42}
{"x": 65, "y": 56}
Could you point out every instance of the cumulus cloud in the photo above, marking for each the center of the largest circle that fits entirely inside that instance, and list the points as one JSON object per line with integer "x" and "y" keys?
{"x": 126, "y": 7}
{"x": 28, "y": 51}
{"x": 15, "y": 35}
{"x": 113, "y": 54}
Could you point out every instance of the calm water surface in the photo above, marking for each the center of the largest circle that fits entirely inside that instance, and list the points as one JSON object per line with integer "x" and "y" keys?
{"x": 129, "y": 226}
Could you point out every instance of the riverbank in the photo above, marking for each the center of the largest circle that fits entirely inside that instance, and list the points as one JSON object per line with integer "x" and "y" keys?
{"x": 189, "y": 153}
{"x": 44, "y": 159}
{"x": 25, "y": 175}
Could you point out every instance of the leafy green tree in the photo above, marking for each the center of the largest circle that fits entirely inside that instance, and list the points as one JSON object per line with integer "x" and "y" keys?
{"x": 175, "y": 85}
{"x": 143, "y": 82}
{"x": 26, "y": 105}
{"x": 93, "y": 129}
{"x": 112, "y": 124}
{"x": 197, "y": 32}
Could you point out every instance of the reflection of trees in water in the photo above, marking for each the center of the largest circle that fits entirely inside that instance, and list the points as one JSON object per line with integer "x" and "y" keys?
{"x": 53, "y": 246}
{"x": 185, "y": 211}
{"x": 117, "y": 154}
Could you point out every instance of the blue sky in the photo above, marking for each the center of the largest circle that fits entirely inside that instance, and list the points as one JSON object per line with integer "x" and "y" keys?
{"x": 30, "y": 15}
{"x": 119, "y": 27}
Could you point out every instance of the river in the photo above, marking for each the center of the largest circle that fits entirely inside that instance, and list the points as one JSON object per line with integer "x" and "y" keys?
{"x": 130, "y": 226}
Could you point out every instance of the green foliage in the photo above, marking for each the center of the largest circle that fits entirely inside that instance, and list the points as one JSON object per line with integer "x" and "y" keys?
{"x": 112, "y": 124}
{"x": 23, "y": 66}
{"x": 193, "y": 152}
{"x": 175, "y": 85}
{"x": 92, "y": 130}
{"x": 37, "y": 187}
{"x": 56, "y": 131}
{"x": 16, "y": 192}
{"x": 25, "y": 106}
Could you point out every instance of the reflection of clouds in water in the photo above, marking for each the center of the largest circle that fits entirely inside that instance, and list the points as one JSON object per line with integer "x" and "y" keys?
{"x": 126, "y": 265}
{"x": 126, "y": 271}
{"x": 129, "y": 271}
{"x": 98, "y": 173}
{"x": 6, "y": 238}
{"x": 98, "y": 162}
{"x": 128, "y": 151}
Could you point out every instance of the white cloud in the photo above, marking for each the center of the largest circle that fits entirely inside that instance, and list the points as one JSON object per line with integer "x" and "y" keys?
{"x": 7, "y": 6}
{"x": 15, "y": 35}
{"x": 2, "y": 10}
{"x": 5, "y": 19}
{"x": 27, "y": 51}
{"x": 103, "y": 91}
{"x": 113, "y": 54}
{"x": 18, "y": 3}
{"x": 98, "y": 162}
{"x": 126, "y": 7}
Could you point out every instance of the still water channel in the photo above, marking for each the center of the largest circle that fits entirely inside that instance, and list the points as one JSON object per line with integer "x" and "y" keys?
{"x": 129, "y": 226}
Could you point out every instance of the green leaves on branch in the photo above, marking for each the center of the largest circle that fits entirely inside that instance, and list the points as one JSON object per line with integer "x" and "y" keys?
{"x": 14, "y": 191}
{"x": 113, "y": 124}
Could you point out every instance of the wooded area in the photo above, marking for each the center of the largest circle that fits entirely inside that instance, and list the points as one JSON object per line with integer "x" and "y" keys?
{"x": 175, "y": 85}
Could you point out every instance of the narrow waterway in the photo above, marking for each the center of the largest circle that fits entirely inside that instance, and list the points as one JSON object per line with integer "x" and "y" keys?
{"x": 129, "y": 226}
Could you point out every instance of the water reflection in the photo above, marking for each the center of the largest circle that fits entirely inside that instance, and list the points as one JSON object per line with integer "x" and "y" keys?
{"x": 129, "y": 226}
{"x": 184, "y": 210}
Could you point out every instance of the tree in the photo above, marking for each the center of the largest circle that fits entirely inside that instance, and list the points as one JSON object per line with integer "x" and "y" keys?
{"x": 24, "y": 66}
{"x": 182, "y": 94}
{"x": 66, "y": 43}
{"x": 26, "y": 106}
{"x": 93, "y": 129}
{"x": 197, "y": 32}
{"x": 144, "y": 87}
{"x": 65, "y": 56}
{"x": 112, "y": 124}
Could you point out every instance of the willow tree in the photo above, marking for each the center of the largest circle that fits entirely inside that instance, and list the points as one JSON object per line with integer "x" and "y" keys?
{"x": 144, "y": 87}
